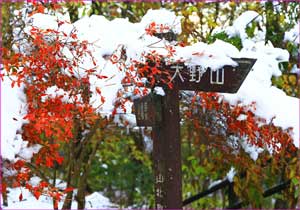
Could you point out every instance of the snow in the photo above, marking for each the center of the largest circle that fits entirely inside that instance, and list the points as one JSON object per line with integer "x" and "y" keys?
{"x": 13, "y": 109}
{"x": 214, "y": 183}
{"x": 159, "y": 91}
{"x": 293, "y": 34}
{"x": 97, "y": 201}
{"x": 53, "y": 92}
{"x": 84, "y": 9}
{"x": 213, "y": 56}
{"x": 270, "y": 101}
{"x": 104, "y": 166}
{"x": 252, "y": 150}
{"x": 230, "y": 175}
{"x": 108, "y": 87}
{"x": 60, "y": 184}
{"x": 43, "y": 21}
{"x": 35, "y": 180}
{"x": 148, "y": 142}
{"x": 242, "y": 117}
{"x": 26, "y": 152}
{"x": 239, "y": 25}
{"x": 13, "y": 104}
{"x": 93, "y": 201}
{"x": 163, "y": 16}
{"x": 295, "y": 70}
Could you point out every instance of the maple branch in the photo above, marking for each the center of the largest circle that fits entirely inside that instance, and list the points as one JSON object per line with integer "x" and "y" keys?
{"x": 40, "y": 173}
{"x": 151, "y": 45}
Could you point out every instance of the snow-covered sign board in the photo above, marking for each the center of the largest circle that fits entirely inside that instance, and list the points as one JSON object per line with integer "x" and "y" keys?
{"x": 226, "y": 80}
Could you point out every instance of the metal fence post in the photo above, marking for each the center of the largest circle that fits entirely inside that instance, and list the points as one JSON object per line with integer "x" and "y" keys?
{"x": 232, "y": 197}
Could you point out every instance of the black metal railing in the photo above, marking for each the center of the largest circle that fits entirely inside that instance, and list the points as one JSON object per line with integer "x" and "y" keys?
{"x": 238, "y": 204}
{"x": 267, "y": 193}
{"x": 206, "y": 192}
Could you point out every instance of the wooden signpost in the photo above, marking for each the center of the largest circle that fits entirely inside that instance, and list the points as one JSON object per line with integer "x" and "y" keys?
{"x": 162, "y": 113}
{"x": 227, "y": 79}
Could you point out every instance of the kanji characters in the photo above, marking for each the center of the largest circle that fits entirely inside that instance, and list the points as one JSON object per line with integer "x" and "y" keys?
{"x": 177, "y": 72}
{"x": 193, "y": 73}
{"x": 216, "y": 78}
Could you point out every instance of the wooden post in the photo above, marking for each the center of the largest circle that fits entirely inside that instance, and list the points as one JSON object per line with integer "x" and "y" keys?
{"x": 167, "y": 154}
{"x": 172, "y": 149}
{"x": 159, "y": 168}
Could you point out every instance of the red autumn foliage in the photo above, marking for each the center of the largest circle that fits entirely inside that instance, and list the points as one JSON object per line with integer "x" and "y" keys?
{"x": 51, "y": 120}
{"x": 20, "y": 197}
{"x": 253, "y": 128}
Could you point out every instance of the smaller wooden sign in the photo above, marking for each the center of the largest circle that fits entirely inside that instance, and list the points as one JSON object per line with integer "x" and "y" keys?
{"x": 148, "y": 110}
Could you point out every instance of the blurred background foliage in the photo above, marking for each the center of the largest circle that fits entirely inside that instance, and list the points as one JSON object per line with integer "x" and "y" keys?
{"x": 122, "y": 168}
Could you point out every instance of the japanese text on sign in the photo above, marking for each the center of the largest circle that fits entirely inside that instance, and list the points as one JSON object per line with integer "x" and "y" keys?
{"x": 195, "y": 74}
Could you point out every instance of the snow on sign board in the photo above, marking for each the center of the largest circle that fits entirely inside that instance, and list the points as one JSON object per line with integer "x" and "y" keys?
{"x": 227, "y": 79}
